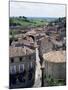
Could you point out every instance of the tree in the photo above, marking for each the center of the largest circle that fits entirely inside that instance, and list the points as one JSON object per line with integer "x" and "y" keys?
{"x": 25, "y": 19}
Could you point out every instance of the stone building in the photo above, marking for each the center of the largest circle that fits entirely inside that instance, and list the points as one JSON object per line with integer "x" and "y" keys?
{"x": 35, "y": 34}
{"x": 51, "y": 30}
{"x": 55, "y": 65}
{"x": 24, "y": 42}
{"x": 22, "y": 61}
{"x": 45, "y": 45}
{"x": 58, "y": 45}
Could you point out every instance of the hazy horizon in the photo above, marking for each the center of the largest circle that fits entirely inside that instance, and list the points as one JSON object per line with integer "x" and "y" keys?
{"x": 36, "y": 17}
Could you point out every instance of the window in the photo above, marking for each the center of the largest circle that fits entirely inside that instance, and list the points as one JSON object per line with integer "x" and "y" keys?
{"x": 13, "y": 69}
{"x": 21, "y": 67}
{"x": 31, "y": 64}
{"x": 12, "y": 60}
{"x": 31, "y": 67}
{"x": 20, "y": 59}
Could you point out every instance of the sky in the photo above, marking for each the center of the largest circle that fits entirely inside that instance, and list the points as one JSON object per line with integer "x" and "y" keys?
{"x": 36, "y": 9}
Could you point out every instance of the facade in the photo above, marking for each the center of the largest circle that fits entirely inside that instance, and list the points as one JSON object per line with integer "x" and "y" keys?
{"x": 55, "y": 64}
{"x": 21, "y": 67}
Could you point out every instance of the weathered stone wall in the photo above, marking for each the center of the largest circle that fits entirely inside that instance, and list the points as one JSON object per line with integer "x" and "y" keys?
{"x": 55, "y": 70}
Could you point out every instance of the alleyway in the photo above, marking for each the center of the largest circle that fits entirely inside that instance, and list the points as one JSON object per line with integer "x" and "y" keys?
{"x": 38, "y": 71}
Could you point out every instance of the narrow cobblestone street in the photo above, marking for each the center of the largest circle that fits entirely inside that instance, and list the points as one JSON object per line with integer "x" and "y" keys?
{"x": 38, "y": 71}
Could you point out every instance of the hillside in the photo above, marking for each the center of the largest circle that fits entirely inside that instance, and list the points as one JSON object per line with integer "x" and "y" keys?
{"x": 26, "y": 22}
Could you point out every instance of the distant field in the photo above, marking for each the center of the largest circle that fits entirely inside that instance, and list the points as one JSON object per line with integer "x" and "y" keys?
{"x": 26, "y": 22}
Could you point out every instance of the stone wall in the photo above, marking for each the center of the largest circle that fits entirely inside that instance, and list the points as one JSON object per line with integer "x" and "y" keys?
{"x": 55, "y": 70}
